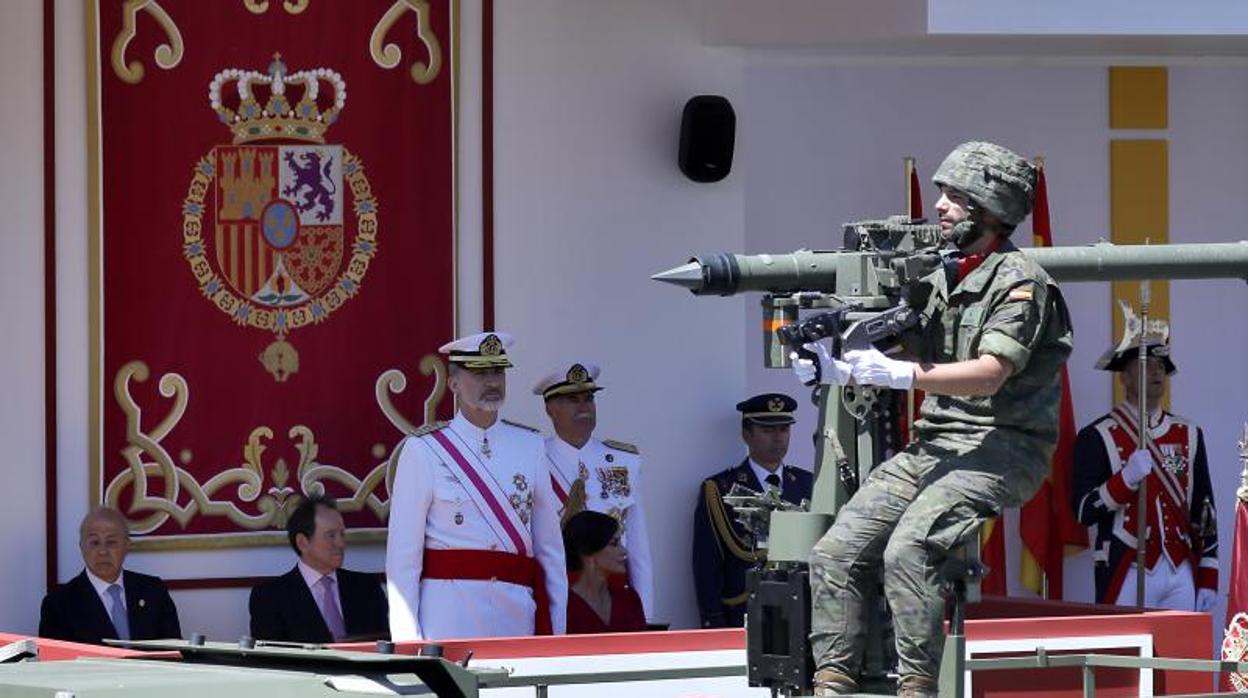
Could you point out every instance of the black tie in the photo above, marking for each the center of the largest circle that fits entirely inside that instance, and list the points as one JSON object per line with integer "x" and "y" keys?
{"x": 773, "y": 480}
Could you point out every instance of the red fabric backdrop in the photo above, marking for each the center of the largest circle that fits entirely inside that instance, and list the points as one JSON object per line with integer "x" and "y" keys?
{"x": 270, "y": 331}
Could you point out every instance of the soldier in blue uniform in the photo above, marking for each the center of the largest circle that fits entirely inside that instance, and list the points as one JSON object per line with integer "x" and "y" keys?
{"x": 722, "y": 552}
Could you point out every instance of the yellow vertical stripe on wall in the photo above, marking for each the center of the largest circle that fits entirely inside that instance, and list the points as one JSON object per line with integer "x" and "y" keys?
{"x": 1139, "y": 212}
{"x": 1138, "y": 97}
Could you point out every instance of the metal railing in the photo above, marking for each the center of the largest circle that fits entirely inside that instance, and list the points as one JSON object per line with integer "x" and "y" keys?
{"x": 542, "y": 682}
{"x": 1088, "y": 663}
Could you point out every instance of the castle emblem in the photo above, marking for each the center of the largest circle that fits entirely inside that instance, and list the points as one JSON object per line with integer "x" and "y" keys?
{"x": 265, "y": 229}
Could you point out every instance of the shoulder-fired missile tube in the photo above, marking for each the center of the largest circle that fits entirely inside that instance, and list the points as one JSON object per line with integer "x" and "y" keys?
{"x": 726, "y": 274}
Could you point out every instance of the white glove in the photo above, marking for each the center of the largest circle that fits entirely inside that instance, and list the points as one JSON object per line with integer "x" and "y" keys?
{"x": 871, "y": 367}
{"x": 1138, "y": 466}
{"x": 833, "y": 370}
{"x": 1205, "y": 599}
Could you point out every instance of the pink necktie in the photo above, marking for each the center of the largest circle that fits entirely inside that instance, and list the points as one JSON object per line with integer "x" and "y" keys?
{"x": 329, "y": 607}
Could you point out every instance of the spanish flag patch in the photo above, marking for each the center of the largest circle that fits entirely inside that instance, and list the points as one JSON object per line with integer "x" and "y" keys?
{"x": 1020, "y": 294}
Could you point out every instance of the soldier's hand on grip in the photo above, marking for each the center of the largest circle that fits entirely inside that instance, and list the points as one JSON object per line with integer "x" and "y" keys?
{"x": 1137, "y": 468}
{"x": 872, "y": 367}
{"x": 821, "y": 368}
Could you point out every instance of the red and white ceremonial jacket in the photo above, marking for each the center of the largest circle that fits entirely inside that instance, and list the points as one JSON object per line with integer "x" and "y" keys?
{"x": 1181, "y": 520}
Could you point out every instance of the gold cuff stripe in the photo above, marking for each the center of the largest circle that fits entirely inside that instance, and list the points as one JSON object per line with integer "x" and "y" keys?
{"x": 737, "y": 600}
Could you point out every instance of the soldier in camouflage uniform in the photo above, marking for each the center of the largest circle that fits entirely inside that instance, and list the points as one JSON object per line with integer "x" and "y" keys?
{"x": 993, "y": 333}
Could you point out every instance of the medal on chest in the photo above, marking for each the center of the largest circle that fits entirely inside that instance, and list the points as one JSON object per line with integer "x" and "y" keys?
{"x": 613, "y": 481}
{"x": 522, "y": 499}
{"x": 1173, "y": 458}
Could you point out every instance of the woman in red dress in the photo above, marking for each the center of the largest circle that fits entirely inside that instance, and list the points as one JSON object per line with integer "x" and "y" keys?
{"x": 597, "y": 603}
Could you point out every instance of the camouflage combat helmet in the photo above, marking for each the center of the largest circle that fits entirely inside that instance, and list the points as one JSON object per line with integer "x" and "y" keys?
{"x": 994, "y": 177}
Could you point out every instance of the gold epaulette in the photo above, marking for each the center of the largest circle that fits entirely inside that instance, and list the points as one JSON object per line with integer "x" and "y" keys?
{"x": 620, "y": 446}
{"x": 429, "y": 428}
{"x": 526, "y": 427}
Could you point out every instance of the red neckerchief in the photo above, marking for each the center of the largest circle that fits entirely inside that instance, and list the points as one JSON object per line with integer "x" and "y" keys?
{"x": 971, "y": 262}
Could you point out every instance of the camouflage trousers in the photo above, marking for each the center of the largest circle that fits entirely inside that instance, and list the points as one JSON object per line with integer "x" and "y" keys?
{"x": 910, "y": 512}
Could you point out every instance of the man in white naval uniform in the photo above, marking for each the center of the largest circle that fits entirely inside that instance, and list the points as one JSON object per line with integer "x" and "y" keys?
{"x": 474, "y": 546}
{"x": 587, "y": 473}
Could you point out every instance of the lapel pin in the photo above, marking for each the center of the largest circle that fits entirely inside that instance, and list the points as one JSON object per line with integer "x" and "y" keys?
{"x": 142, "y": 603}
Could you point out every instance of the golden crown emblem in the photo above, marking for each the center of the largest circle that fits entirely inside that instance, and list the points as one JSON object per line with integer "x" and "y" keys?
{"x": 294, "y": 107}
{"x": 578, "y": 374}
{"x": 491, "y": 346}
{"x": 775, "y": 405}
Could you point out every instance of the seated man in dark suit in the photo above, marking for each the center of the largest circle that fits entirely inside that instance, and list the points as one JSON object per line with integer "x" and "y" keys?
{"x": 319, "y": 600}
{"x": 105, "y": 600}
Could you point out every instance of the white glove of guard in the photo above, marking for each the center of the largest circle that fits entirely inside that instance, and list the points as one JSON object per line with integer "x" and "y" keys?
{"x": 834, "y": 370}
{"x": 1138, "y": 466}
{"x": 872, "y": 367}
{"x": 1205, "y": 598}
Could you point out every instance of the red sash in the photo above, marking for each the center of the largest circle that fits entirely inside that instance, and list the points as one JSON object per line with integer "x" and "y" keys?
{"x": 555, "y": 482}
{"x": 563, "y": 496}
{"x": 490, "y": 499}
{"x": 492, "y": 565}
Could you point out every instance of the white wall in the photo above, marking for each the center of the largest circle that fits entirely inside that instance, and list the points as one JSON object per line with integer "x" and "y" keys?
{"x": 21, "y": 314}
{"x": 824, "y": 143}
{"x": 589, "y": 203}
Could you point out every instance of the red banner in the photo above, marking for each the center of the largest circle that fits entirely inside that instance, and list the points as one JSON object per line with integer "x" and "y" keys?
{"x": 274, "y": 201}
{"x": 1047, "y": 525}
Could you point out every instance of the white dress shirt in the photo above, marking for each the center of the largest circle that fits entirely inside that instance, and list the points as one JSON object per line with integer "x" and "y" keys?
{"x": 311, "y": 577}
{"x": 761, "y": 473}
{"x": 101, "y": 589}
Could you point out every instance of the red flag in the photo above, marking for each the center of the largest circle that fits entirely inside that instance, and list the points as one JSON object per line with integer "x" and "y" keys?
{"x": 910, "y": 401}
{"x": 992, "y": 554}
{"x": 1046, "y": 523}
{"x": 914, "y": 197}
{"x": 1235, "y": 639}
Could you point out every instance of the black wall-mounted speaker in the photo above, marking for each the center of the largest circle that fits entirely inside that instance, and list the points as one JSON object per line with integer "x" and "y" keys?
{"x": 707, "y": 132}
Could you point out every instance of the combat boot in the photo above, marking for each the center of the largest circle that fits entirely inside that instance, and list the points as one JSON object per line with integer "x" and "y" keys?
{"x": 916, "y": 686}
{"x": 829, "y": 682}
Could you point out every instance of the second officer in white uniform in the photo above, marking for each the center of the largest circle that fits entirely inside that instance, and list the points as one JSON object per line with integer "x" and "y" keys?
{"x": 588, "y": 473}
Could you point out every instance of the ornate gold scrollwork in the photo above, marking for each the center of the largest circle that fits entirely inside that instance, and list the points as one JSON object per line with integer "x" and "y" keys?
{"x": 259, "y": 7}
{"x": 167, "y": 55}
{"x": 148, "y": 459}
{"x": 388, "y": 55}
{"x": 394, "y": 382}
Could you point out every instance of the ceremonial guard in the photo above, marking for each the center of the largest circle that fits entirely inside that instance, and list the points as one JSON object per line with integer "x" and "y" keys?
{"x": 474, "y": 546}
{"x": 1181, "y": 553}
{"x": 722, "y": 551}
{"x": 586, "y": 473}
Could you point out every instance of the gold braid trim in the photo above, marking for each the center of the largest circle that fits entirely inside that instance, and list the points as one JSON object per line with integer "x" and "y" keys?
{"x": 575, "y": 503}
{"x": 723, "y": 527}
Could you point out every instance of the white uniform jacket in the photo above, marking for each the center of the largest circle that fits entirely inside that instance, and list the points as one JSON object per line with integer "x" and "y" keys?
{"x": 431, "y": 507}
{"x": 612, "y": 475}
